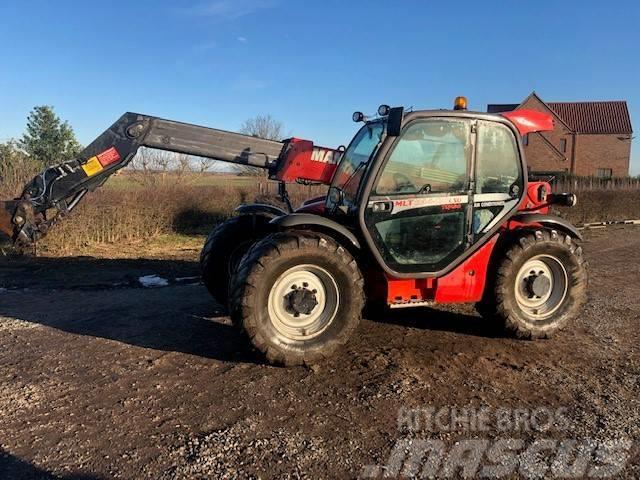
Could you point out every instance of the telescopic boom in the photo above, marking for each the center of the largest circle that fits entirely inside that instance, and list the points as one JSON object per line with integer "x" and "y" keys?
{"x": 58, "y": 189}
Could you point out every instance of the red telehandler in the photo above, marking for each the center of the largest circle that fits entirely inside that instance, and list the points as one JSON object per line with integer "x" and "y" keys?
{"x": 423, "y": 207}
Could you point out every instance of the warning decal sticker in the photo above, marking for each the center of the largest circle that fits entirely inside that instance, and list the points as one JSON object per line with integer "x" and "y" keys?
{"x": 109, "y": 156}
{"x": 92, "y": 167}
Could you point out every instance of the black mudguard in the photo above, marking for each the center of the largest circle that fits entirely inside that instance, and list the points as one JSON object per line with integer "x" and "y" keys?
{"x": 550, "y": 221}
{"x": 293, "y": 220}
{"x": 263, "y": 209}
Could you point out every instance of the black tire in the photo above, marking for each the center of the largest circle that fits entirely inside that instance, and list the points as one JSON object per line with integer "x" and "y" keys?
{"x": 268, "y": 266}
{"x": 506, "y": 298}
{"x": 224, "y": 248}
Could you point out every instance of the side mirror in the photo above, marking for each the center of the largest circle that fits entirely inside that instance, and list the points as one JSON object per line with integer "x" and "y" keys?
{"x": 394, "y": 121}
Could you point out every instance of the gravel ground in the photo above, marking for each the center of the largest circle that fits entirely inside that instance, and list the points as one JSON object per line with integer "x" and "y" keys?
{"x": 103, "y": 378}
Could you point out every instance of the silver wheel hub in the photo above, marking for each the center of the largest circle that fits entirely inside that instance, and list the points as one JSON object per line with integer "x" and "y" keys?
{"x": 303, "y": 302}
{"x": 541, "y": 286}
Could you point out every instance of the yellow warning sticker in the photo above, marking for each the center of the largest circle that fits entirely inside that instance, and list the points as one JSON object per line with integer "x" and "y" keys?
{"x": 92, "y": 167}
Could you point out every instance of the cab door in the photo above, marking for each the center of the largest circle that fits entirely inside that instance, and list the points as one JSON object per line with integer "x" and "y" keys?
{"x": 499, "y": 178}
{"x": 419, "y": 213}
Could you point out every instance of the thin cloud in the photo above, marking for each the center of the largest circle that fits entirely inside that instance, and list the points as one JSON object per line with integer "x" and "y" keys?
{"x": 243, "y": 40}
{"x": 229, "y": 9}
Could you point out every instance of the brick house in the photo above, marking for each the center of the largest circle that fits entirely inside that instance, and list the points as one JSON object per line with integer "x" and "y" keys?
{"x": 590, "y": 138}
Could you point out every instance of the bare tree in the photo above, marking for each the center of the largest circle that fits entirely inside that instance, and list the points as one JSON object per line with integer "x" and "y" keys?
{"x": 157, "y": 167}
{"x": 261, "y": 126}
{"x": 204, "y": 164}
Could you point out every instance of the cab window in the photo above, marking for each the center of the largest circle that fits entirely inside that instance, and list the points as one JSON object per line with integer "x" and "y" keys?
{"x": 431, "y": 156}
{"x": 497, "y": 160}
{"x": 499, "y": 178}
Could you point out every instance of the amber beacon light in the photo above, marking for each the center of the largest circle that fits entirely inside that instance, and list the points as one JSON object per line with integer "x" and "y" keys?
{"x": 460, "y": 103}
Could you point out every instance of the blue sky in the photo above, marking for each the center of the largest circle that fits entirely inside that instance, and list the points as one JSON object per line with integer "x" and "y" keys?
{"x": 309, "y": 64}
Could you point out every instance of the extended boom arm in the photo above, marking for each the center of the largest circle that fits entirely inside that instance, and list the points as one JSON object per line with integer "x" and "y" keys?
{"x": 58, "y": 189}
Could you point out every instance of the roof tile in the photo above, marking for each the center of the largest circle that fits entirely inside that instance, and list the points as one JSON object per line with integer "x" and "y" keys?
{"x": 594, "y": 117}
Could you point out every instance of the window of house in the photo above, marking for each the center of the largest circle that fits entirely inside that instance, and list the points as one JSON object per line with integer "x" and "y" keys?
{"x": 604, "y": 173}
{"x": 525, "y": 140}
{"x": 563, "y": 145}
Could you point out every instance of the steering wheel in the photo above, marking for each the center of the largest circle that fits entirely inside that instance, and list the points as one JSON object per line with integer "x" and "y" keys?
{"x": 403, "y": 182}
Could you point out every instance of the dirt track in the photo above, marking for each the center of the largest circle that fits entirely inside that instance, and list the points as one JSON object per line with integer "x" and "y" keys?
{"x": 102, "y": 378}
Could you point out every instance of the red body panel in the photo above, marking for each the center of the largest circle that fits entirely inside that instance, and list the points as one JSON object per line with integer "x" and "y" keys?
{"x": 303, "y": 161}
{"x": 532, "y": 201}
{"x": 529, "y": 121}
{"x": 464, "y": 284}
{"x": 408, "y": 290}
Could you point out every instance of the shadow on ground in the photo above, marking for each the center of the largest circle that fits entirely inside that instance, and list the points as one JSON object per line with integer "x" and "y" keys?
{"x": 103, "y": 298}
{"x": 456, "y": 319}
{"x": 90, "y": 273}
{"x": 13, "y": 468}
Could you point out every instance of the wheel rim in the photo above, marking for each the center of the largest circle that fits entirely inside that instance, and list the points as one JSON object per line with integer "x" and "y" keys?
{"x": 541, "y": 286}
{"x": 303, "y": 302}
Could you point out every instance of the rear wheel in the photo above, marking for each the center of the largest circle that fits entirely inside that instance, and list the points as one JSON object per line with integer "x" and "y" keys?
{"x": 539, "y": 286}
{"x": 223, "y": 250}
{"x": 298, "y": 296}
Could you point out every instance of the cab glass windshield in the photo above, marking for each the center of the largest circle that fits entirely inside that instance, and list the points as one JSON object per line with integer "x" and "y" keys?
{"x": 356, "y": 158}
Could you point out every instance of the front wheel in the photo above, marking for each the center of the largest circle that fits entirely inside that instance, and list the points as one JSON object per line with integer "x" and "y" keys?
{"x": 540, "y": 285}
{"x": 223, "y": 250}
{"x": 298, "y": 296}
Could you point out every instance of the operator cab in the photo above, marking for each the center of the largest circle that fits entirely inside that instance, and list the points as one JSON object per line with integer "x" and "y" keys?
{"x": 427, "y": 187}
